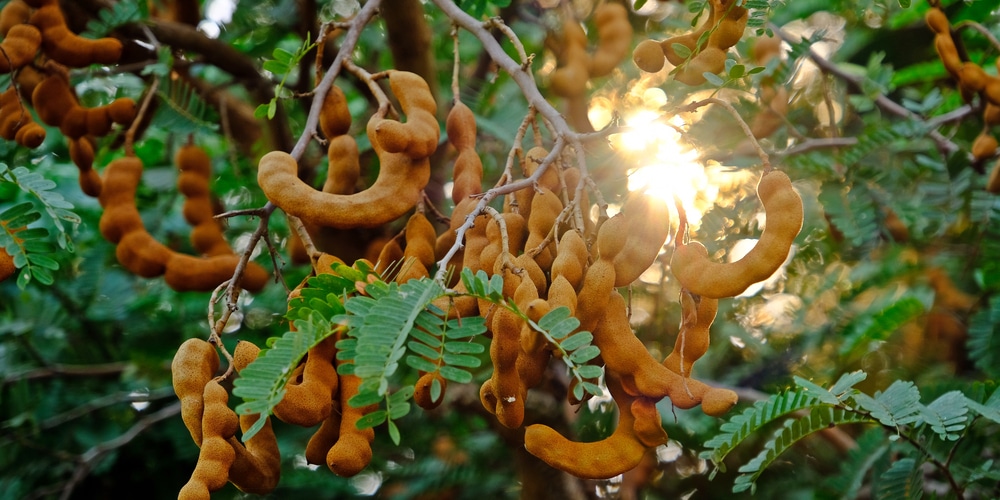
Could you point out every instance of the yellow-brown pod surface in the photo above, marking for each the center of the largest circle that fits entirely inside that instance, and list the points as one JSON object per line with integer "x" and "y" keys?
{"x": 419, "y": 251}
{"x": 257, "y": 466}
{"x": 16, "y": 122}
{"x": 545, "y": 209}
{"x": 515, "y": 225}
{"x": 647, "y": 218}
{"x": 401, "y": 178}
{"x": 503, "y": 393}
{"x": 193, "y": 366}
{"x": 993, "y": 184}
{"x": 648, "y": 56}
{"x": 352, "y": 451}
{"x": 571, "y": 259}
{"x": 187, "y": 273}
{"x": 609, "y": 457}
{"x": 697, "y": 315}
{"x": 219, "y": 423}
{"x": 984, "y": 146}
{"x": 66, "y": 47}
{"x": 334, "y": 116}
{"x": 783, "y": 209}
{"x": 422, "y": 391}
{"x": 14, "y": 13}
{"x": 7, "y": 268}
{"x": 614, "y": 34}
{"x": 307, "y": 401}
{"x": 468, "y": 172}
{"x": 569, "y": 79}
{"x": 19, "y": 47}
{"x": 648, "y": 426}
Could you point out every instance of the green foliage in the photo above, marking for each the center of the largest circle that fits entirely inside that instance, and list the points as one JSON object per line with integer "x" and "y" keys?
{"x": 118, "y": 14}
{"x": 984, "y": 338}
{"x": 811, "y": 408}
{"x": 283, "y": 63}
{"x": 182, "y": 109}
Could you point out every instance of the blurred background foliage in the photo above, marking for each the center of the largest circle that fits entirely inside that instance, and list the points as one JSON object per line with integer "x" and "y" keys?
{"x": 896, "y": 271}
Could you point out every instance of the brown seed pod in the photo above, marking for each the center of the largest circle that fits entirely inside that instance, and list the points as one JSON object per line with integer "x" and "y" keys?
{"x": 422, "y": 394}
{"x": 308, "y": 397}
{"x": 614, "y": 34}
{"x": 352, "y": 451}
{"x": 14, "y": 13}
{"x": 219, "y": 423}
{"x": 783, "y": 209}
{"x": 19, "y": 47}
{"x": 648, "y": 56}
{"x": 334, "y": 116}
{"x": 194, "y": 364}
{"x": 984, "y": 146}
{"x": 66, "y": 47}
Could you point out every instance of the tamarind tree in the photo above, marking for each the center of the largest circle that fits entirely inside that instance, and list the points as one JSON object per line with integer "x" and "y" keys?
{"x": 501, "y": 249}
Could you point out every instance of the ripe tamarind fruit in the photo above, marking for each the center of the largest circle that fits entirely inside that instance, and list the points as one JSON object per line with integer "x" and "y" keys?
{"x": 697, "y": 315}
{"x": 984, "y": 146}
{"x": 993, "y": 184}
{"x": 419, "y": 252}
{"x": 334, "y": 115}
{"x": 218, "y": 423}
{"x": 403, "y": 173}
{"x": 193, "y": 365}
{"x": 307, "y": 400}
{"x": 468, "y": 171}
{"x": 648, "y": 425}
{"x": 257, "y": 466}
{"x": 570, "y": 262}
{"x": 14, "y": 13}
{"x": 648, "y": 56}
{"x": 603, "y": 459}
{"x": 7, "y": 267}
{"x": 352, "y": 451}
{"x": 647, "y": 231}
{"x": 65, "y": 47}
{"x": 16, "y": 122}
{"x": 783, "y": 209}
{"x": 709, "y": 60}
{"x": 19, "y": 47}
{"x": 422, "y": 390}
{"x": 614, "y": 33}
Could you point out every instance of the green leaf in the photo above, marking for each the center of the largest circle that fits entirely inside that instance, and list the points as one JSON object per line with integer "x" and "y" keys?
{"x": 681, "y": 50}
{"x": 589, "y": 371}
{"x": 903, "y": 481}
{"x": 586, "y": 354}
{"x": 714, "y": 79}
{"x": 816, "y": 391}
{"x": 898, "y": 405}
{"x": 577, "y": 341}
{"x": 464, "y": 348}
{"x": 436, "y": 390}
{"x": 419, "y": 363}
{"x": 736, "y": 72}
{"x": 371, "y": 420}
{"x": 462, "y": 360}
{"x": 394, "y": 431}
{"x": 456, "y": 374}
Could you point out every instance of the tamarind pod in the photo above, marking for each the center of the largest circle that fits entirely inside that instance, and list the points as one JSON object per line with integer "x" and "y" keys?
{"x": 27, "y": 78}
{"x": 98, "y": 122}
{"x": 323, "y": 439}
{"x": 937, "y": 21}
{"x": 446, "y": 239}
{"x": 603, "y": 459}
{"x": 198, "y": 210}
{"x": 411, "y": 269}
{"x": 534, "y": 356}
{"x": 598, "y": 284}
{"x": 716, "y": 402}
{"x": 344, "y": 168}
{"x": 709, "y": 60}
{"x": 571, "y": 80}
{"x": 692, "y": 342}
{"x": 422, "y": 391}
{"x": 207, "y": 239}
{"x": 614, "y": 33}
{"x": 648, "y": 56}
{"x": 571, "y": 259}
{"x": 948, "y": 53}
{"x": 534, "y": 272}
{"x": 122, "y": 110}
{"x": 993, "y": 184}
{"x": 646, "y": 218}
{"x": 772, "y": 115}
{"x": 65, "y": 47}
{"x": 507, "y": 389}
{"x": 307, "y": 402}
{"x": 30, "y": 135}
{"x": 764, "y": 49}
{"x": 971, "y": 77}
{"x": 53, "y": 99}
{"x": 142, "y": 255}
{"x": 461, "y": 127}
{"x": 7, "y": 267}
{"x": 391, "y": 252}
{"x": 984, "y": 146}
{"x": 193, "y": 365}
{"x": 185, "y": 273}
{"x": 533, "y": 160}
{"x": 418, "y": 136}
{"x": 420, "y": 239}
{"x": 14, "y": 13}
{"x": 193, "y": 185}
{"x": 219, "y": 423}
{"x": 19, "y": 47}
{"x": 783, "y": 210}
{"x": 562, "y": 294}
{"x": 352, "y": 452}
{"x": 119, "y": 220}
{"x": 612, "y": 237}
{"x": 121, "y": 178}
{"x": 256, "y": 467}
{"x": 515, "y": 239}
{"x": 74, "y": 123}
{"x": 688, "y": 40}
{"x": 648, "y": 425}
{"x": 334, "y": 115}
{"x": 992, "y": 91}
{"x": 730, "y": 27}
{"x": 545, "y": 208}
{"x": 396, "y": 190}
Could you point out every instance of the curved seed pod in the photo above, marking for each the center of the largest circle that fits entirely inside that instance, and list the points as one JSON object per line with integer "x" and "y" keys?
{"x": 545, "y": 208}
{"x": 194, "y": 364}
{"x": 19, "y": 47}
{"x": 614, "y": 33}
{"x": 307, "y": 402}
{"x": 418, "y": 137}
{"x": 698, "y": 313}
{"x": 66, "y": 47}
{"x": 468, "y": 170}
{"x": 7, "y": 267}
{"x": 604, "y": 459}
{"x": 257, "y": 466}
{"x": 14, "y": 13}
{"x": 648, "y": 425}
{"x": 783, "y": 209}
{"x": 324, "y": 438}
{"x": 219, "y": 423}
{"x": 419, "y": 251}
{"x": 648, "y": 56}
{"x": 352, "y": 452}
{"x": 335, "y": 116}
{"x": 647, "y": 218}
{"x": 571, "y": 259}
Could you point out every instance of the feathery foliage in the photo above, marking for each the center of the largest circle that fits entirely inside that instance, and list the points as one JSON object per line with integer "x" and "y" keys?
{"x": 182, "y": 109}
